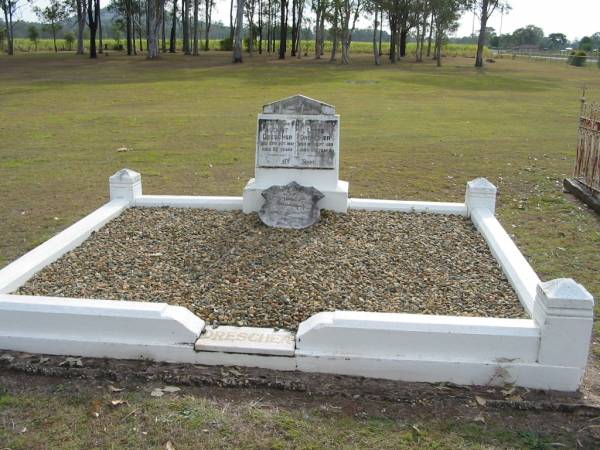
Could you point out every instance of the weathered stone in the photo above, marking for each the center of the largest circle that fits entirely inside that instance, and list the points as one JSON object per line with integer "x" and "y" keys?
{"x": 290, "y": 206}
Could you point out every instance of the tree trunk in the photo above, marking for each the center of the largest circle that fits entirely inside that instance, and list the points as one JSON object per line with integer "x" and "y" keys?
{"x": 163, "y": 30}
{"x": 438, "y": 47}
{"x": 93, "y": 18}
{"x": 283, "y": 29}
{"x": 173, "y": 37}
{"x": 317, "y": 30}
{"x": 239, "y": 27}
{"x": 260, "y": 26}
{"x": 299, "y": 29}
{"x": 10, "y": 31}
{"x": 101, "y": 50}
{"x": 195, "y": 43}
{"x": 403, "y": 40}
{"x": 294, "y": 29}
{"x": 393, "y": 31}
{"x": 80, "y": 5}
{"x": 128, "y": 27}
{"x": 53, "y": 26}
{"x": 155, "y": 9}
{"x": 481, "y": 40}
{"x": 207, "y": 22}
{"x": 185, "y": 20}
{"x": 380, "y": 30}
{"x": 375, "y": 49}
{"x": 335, "y": 32}
{"x": 231, "y": 29}
{"x": 430, "y": 36}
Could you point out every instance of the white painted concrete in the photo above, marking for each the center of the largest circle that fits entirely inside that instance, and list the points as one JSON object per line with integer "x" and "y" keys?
{"x": 95, "y": 328}
{"x": 125, "y": 184}
{"x": 18, "y": 272}
{"x": 262, "y": 341}
{"x": 529, "y": 375}
{"x": 336, "y": 198}
{"x": 187, "y": 201}
{"x": 419, "y": 337}
{"x": 516, "y": 268}
{"x": 407, "y": 206}
{"x": 480, "y": 194}
{"x": 564, "y": 310}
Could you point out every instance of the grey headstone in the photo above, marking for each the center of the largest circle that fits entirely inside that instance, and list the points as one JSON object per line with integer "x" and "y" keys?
{"x": 299, "y": 104}
{"x": 290, "y": 206}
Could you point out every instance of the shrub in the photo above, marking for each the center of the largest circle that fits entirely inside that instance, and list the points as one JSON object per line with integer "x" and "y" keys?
{"x": 577, "y": 58}
{"x": 69, "y": 39}
{"x": 226, "y": 44}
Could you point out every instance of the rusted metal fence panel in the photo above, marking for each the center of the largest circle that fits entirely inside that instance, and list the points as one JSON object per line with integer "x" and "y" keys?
{"x": 587, "y": 165}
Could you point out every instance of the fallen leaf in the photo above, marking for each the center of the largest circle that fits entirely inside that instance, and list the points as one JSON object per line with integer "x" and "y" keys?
{"x": 118, "y": 402}
{"x": 480, "y": 400}
{"x": 515, "y": 398}
{"x": 43, "y": 360}
{"x": 170, "y": 389}
{"x": 157, "y": 393}
{"x": 169, "y": 446}
{"x": 72, "y": 362}
{"x": 479, "y": 418}
{"x": 115, "y": 389}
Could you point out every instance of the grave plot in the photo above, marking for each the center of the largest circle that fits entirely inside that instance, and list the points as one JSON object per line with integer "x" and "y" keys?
{"x": 230, "y": 269}
{"x": 295, "y": 275}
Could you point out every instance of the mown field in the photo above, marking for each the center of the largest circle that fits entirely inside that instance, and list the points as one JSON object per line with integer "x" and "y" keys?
{"x": 409, "y": 131}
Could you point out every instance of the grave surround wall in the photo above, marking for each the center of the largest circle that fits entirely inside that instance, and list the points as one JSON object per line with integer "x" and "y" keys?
{"x": 548, "y": 351}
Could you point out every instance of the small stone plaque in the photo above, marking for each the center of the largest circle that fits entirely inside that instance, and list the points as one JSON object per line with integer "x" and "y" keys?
{"x": 290, "y": 206}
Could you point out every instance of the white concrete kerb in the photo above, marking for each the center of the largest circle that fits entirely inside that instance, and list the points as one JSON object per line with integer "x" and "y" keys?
{"x": 548, "y": 351}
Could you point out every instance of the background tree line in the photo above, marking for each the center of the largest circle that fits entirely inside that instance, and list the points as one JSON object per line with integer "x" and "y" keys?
{"x": 271, "y": 26}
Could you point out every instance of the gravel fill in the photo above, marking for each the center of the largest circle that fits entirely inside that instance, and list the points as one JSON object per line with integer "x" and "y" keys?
{"x": 230, "y": 269}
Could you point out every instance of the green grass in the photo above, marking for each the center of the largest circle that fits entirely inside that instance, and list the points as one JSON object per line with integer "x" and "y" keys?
{"x": 57, "y": 417}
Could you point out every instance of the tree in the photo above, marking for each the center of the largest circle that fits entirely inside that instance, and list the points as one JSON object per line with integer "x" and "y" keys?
{"x": 195, "y": 32}
{"x": 69, "y": 39}
{"x": 374, "y": 8}
{"x": 530, "y": 35}
{"x": 52, "y": 16}
{"x": 33, "y": 34}
{"x": 283, "y": 28}
{"x": 484, "y": 10}
{"x": 239, "y": 27}
{"x": 173, "y": 37}
{"x": 80, "y": 12}
{"x": 586, "y": 44}
{"x": 446, "y": 14}
{"x": 208, "y": 6}
{"x": 9, "y": 7}
{"x": 93, "y": 12}
{"x": 155, "y": 12}
{"x": 349, "y": 13}
{"x": 557, "y": 40}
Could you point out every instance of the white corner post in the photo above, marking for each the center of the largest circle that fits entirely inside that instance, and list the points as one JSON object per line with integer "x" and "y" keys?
{"x": 564, "y": 311}
{"x": 125, "y": 184}
{"x": 480, "y": 194}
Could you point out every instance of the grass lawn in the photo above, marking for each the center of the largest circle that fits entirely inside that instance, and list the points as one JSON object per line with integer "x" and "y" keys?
{"x": 409, "y": 131}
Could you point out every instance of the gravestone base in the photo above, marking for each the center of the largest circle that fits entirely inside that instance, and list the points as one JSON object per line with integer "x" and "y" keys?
{"x": 336, "y": 197}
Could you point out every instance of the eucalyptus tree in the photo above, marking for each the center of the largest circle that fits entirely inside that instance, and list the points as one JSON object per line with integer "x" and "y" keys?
{"x": 51, "y": 16}
{"x": 320, "y": 7}
{"x": 239, "y": 28}
{"x": 374, "y": 7}
{"x": 250, "y": 11}
{"x": 208, "y": 9}
{"x": 283, "y": 28}
{"x": 349, "y": 13}
{"x": 173, "y": 36}
{"x": 79, "y": 8}
{"x": 484, "y": 10}
{"x": 9, "y": 7}
{"x": 93, "y": 13}
{"x": 446, "y": 14}
{"x": 195, "y": 33}
{"x": 155, "y": 11}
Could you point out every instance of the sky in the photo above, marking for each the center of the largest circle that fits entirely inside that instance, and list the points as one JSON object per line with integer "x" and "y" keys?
{"x": 575, "y": 18}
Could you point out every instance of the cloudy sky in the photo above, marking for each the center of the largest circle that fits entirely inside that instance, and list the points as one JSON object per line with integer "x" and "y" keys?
{"x": 575, "y": 18}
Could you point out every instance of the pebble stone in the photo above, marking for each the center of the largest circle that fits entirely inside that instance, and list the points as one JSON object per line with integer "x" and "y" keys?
{"x": 230, "y": 269}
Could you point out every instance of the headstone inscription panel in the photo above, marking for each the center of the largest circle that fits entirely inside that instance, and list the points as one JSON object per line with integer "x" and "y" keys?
{"x": 291, "y": 206}
{"x": 296, "y": 143}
